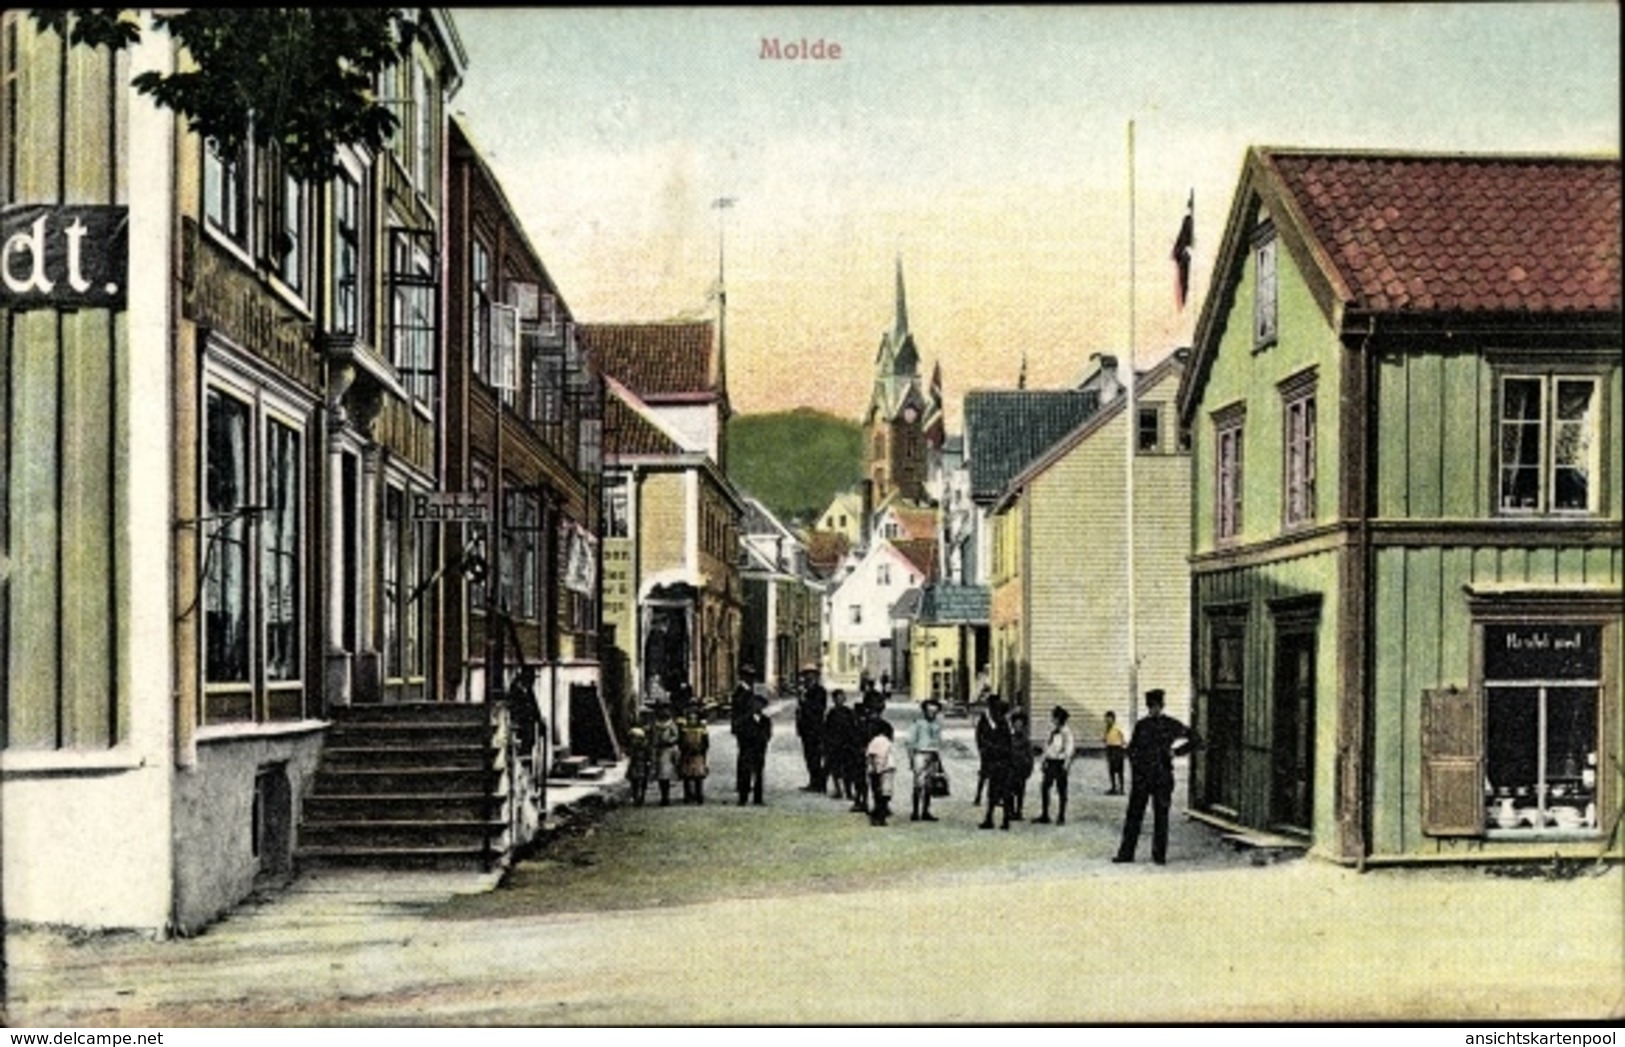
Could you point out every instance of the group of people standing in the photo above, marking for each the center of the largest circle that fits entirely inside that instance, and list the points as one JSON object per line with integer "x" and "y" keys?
{"x": 848, "y": 749}
{"x": 665, "y": 747}
{"x": 850, "y": 752}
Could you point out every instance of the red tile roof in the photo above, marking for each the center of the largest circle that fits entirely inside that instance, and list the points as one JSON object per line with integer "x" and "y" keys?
{"x": 1462, "y": 234}
{"x": 627, "y": 432}
{"x": 658, "y": 361}
{"x": 922, "y": 553}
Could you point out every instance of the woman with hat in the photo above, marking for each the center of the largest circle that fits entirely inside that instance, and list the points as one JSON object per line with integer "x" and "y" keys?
{"x": 925, "y": 758}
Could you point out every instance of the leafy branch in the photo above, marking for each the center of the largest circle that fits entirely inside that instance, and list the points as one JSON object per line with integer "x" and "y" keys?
{"x": 303, "y": 79}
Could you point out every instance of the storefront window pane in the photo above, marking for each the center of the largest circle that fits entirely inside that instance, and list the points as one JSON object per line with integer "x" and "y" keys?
{"x": 226, "y": 585}
{"x": 281, "y": 550}
{"x": 1541, "y": 729}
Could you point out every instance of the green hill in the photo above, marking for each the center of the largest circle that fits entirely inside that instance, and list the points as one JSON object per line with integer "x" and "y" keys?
{"x": 794, "y": 462}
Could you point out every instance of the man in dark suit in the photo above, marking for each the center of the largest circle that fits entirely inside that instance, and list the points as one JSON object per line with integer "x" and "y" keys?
{"x": 1158, "y": 738}
{"x": 753, "y": 732}
{"x": 810, "y": 727}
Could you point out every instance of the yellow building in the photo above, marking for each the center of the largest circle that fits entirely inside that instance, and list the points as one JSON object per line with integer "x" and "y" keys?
{"x": 671, "y": 516}
{"x": 1060, "y": 602}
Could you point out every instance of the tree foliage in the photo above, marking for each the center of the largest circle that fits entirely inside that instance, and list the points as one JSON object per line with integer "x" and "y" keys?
{"x": 302, "y": 78}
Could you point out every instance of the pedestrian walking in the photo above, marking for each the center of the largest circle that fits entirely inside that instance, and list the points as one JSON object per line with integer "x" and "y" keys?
{"x": 840, "y": 744}
{"x": 925, "y": 759}
{"x": 640, "y": 759}
{"x": 882, "y": 771}
{"x": 1021, "y": 764}
{"x": 996, "y": 755}
{"x": 754, "y": 733}
{"x": 1158, "y": 738}
{"x": 810, "y": 712}
{"x": 1115, "y": 748}
{"x": 693, "y": 763}
{"x": 1058, "y": 752}
{"x": 665, "y": 751}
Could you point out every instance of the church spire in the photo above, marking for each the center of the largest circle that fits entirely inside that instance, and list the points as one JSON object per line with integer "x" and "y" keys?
{"x": 900, "y": 330}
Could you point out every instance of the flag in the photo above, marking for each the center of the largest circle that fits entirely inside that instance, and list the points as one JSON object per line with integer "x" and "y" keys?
{"x": 1182, "y": 252}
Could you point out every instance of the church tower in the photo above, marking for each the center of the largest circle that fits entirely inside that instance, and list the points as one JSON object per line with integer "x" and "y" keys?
{"x": 895, "y": 423}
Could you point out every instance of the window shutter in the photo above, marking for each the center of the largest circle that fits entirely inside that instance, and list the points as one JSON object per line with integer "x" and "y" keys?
{"x": 1452, "y": 763}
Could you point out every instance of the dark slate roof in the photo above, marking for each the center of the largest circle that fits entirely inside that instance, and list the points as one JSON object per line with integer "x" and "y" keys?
{"x": 628, "y": 432}
{"x": 1423, "y": 234}
{"x": 907, "y": 605}
{"x": 921, "y": 552}
{"x": 1007, "y": 429}
{"x": 956, "y": 603}
{"x": 655, "y": 360}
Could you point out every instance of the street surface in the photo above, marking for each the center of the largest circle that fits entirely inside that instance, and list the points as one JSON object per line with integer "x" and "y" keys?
{"x": 802, "y": 912}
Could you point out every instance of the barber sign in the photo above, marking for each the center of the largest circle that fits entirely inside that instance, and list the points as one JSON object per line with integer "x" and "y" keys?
{"x": 64, "y": 256}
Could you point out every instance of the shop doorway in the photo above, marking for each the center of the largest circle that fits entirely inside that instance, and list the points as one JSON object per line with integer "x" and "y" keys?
{"x": 1293, "y": 730}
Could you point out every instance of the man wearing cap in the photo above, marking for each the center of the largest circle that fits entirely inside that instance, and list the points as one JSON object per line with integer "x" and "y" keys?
{"x": 925, "y": 758}
{"x": 754, "y": 731}
{"x": 1158, "y": 738}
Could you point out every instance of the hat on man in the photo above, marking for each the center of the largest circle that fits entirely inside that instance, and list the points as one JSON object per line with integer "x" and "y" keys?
{"x": 931, "y": 703}
{"x": 1060, "y": 713}
{"x": 1154, "y": 697}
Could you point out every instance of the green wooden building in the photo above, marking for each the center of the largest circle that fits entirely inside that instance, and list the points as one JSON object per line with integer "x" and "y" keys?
{"x": 1405, "y": 411}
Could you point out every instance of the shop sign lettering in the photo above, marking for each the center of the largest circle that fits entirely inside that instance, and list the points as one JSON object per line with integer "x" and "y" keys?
{"x": 450, "y": 507}
{"x": 1545, "y": 651}
{"x": 65, "y": 257}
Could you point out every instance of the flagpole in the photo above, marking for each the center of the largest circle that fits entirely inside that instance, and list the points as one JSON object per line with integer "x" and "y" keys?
{"x": 1130, "y": 436}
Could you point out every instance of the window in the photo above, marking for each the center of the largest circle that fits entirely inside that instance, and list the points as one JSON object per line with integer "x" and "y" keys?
{"x": 1266, "y": 290}
{"x": 405, "y": 608}
{"x": 504, "y": 350}
{"x": 1541, "y": 694}
{"x": 347, "y": 240}
{"x": 617, "y": 507}
{"x": 414, "y": 310}
{"x": 883, "y": 574}
{"x": 521, "y": 547}
{"x": 1548, "y": 444}
{"x": 1298, "y": 444}
{"x": 1148, "y": 433}
{"x": 224, "y": 193}
{"x": 253, "y": 574}
{"x": 856, "y": 614}
{"x": 477, "y": 535}
{"x": 1228, "y": 480}
{"x": 479, "y": 309}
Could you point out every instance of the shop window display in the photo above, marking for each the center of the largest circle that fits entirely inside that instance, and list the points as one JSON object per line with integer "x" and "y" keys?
{"x": 1541, "y": 687}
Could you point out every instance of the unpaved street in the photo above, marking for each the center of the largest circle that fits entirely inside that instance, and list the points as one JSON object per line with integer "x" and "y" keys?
{"x": 802, "y": 912}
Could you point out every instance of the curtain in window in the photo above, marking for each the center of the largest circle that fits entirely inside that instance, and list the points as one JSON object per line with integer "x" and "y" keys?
{"x": 280, "y": 530}
{"x": 226, "y": 585}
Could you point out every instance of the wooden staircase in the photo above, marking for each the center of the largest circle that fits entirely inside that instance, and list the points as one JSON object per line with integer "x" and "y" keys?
{"x": 416, "y": 784}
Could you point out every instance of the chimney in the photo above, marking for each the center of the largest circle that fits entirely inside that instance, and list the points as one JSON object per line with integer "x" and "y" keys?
{"x": 1108, "y": 376}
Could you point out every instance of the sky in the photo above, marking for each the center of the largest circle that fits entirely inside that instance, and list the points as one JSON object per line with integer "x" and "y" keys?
{"x": 988, "y": 148}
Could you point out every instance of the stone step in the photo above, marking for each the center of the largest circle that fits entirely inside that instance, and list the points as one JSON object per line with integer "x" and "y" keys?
{"x": 426, "y": 781}
{"x": 412, "y": 712}
{"x": 465, "y": 835}
{"x": 570, "y": 766}
{"x": 383, "y": 807}
{"x": 386, "y": 757}
{"x": 401, "y": 857}
{"x": 359, "y": 733}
